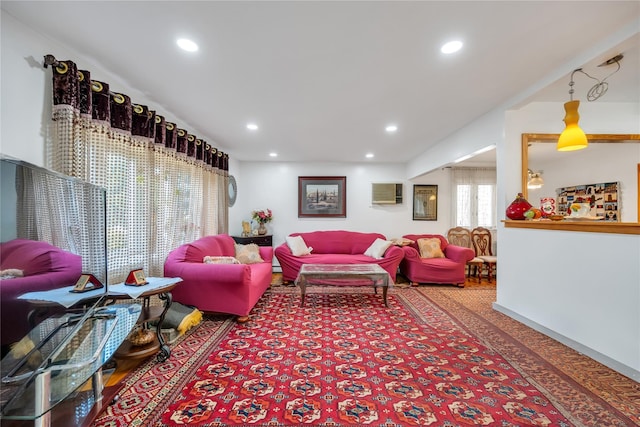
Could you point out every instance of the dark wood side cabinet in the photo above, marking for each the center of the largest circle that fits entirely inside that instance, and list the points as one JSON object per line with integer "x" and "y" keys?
{"x": 266, "y": 240}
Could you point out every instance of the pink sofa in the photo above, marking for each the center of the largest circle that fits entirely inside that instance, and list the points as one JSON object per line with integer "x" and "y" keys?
{"x": 218, "y": 288}
{"x": 44, "y": 267}
{"x": 336, "y": 247}
{"x": 450, "y": 269}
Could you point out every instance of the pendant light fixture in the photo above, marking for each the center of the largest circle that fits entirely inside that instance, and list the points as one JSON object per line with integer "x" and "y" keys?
{"x": 535, "y": 180}
{"x": 573, "y": 138}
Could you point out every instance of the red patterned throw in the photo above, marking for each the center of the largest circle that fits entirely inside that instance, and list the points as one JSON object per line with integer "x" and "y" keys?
{"x": 342, "y": 360}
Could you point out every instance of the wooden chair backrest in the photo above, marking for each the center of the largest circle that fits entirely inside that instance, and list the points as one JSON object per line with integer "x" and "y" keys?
{"x": 460, "y": 236}
{"x": 481, "y": 238}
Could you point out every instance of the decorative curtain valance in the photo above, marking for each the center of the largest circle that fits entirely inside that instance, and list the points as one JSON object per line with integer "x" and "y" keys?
{"x": 165, "y": 185}
{"x": 74, "y": 88}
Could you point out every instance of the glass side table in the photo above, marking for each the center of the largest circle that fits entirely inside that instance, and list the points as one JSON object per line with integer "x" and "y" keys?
{"x": 58, "y": 357}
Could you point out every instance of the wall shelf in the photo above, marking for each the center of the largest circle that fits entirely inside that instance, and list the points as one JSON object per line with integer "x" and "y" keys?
{"x": 584, "y": 226}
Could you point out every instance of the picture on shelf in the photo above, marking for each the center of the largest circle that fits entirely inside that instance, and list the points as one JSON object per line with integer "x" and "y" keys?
{"x": 136, "y": 278}
{"x": 86, "y": 283}
{"x": 602, "y": 199}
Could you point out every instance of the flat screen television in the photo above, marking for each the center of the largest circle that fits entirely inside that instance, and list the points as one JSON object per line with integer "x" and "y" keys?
{"x": 52, "y": 233}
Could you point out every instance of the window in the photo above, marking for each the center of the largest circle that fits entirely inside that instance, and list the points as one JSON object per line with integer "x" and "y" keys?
{"x": 474, "y": 197}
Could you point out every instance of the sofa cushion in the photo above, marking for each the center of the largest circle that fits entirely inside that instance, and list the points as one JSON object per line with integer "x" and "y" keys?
{"x": 378, "y": 248}
{"x": 401, "y": 241}
{"x": 430, "y": 248}
{"x": 220, "y": 260}
{"x": 339, "y": 241}
{"x": 298, "y": 246}
{"x": 215, "y": 245}
{"x": 248, "y": 254}
{"x": 11, "y": 273}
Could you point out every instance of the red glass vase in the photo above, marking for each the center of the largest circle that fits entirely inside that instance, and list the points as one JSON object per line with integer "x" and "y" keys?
{"x": 518, "y": 207}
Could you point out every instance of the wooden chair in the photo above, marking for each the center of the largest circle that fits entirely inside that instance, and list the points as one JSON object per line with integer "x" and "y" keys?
{"x": 461, "y": 236}
{"x": 481, "y": 238}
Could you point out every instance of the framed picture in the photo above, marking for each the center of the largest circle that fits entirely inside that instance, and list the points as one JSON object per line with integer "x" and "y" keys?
{"x": 86, "y": 282}
{"x": 322, "y": 197}
{"x": 425, "y": 202}
{"x": 601, "y": 197}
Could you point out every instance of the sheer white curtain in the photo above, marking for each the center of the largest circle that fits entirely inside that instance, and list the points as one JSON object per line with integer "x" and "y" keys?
{"x": 164, "y": 185}
{"x": 474, "y": 197}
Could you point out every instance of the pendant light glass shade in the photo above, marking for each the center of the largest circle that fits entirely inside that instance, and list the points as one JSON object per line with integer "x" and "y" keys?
{"x": 572, "y": 138}
{"x": 535, "y": 182}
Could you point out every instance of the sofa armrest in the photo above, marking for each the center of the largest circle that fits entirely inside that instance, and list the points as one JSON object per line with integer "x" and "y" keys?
{"x": 266, "y": 253}
{"x": 459, "y": 253}
{"x": 283, "y": 249}
{"x": 200, "y": 272}
{"x": 410, "y": 253}
{"x": 393, "y": 251}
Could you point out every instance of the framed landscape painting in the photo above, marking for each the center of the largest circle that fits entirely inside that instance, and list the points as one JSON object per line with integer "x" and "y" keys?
{"x": 322, "y": 197}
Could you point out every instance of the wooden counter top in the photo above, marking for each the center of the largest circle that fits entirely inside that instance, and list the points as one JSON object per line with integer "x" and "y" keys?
{"x": 584, "y": 226}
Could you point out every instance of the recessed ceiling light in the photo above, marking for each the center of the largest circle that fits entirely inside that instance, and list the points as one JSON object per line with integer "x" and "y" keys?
{"x": 273, "y": 154}
{"x": 188, "y": 45}
{"x": 369, "y": 155}
{"x": 252, "y": 126}
{"x": 451, "y": 47}
{"x": 391, "y": 128}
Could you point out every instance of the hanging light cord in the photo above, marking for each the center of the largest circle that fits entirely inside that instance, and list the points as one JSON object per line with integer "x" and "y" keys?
{"x": 598, "y": 89}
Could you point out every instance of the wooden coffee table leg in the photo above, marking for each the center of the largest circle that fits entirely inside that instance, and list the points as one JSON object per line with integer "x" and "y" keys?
{"x": 303, "y": 292}
{"x": 384, "y": 295}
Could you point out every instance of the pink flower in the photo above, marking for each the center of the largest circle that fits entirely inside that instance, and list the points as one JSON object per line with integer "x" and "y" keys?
{"x": 262, "y": 216}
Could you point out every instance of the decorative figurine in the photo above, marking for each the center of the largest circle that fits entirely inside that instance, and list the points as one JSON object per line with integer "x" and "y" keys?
{"x": 246, "y": 229}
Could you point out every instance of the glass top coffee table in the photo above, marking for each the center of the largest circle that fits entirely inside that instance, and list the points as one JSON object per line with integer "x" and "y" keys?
{"x": 343, "y": 275}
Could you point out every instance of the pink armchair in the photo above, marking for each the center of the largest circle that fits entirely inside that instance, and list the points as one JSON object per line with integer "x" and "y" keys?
{"x": 219, "y": 288}
{"x": 450, "y": 269}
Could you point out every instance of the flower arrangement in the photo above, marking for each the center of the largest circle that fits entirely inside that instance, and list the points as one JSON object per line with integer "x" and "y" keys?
{"x": 262, "y": 216}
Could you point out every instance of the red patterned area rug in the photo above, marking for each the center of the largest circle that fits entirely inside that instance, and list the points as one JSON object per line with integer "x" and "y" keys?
{"x": 342, "y": 360}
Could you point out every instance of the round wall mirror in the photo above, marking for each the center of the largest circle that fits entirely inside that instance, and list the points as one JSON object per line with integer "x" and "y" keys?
{"x": 233, "y": 190}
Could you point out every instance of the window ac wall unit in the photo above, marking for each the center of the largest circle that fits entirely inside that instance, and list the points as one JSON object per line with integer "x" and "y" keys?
{"x": 386, "y": 194}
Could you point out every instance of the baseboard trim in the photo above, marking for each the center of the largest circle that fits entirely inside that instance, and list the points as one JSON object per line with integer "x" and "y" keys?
{"x": 580, "y": 348}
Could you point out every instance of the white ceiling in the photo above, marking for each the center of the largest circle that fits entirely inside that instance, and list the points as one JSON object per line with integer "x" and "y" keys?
{"x": 323, "y": 79}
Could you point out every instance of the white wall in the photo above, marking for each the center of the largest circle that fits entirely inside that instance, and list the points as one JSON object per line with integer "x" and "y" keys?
{"x": 274, "y": 185}
{"x": 580, "y": 288}
{"x": 24, "y": 84}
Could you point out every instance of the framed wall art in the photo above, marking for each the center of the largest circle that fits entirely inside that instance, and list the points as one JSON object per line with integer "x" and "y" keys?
{"x": 322, "y": 196}
{"x": 425, "y": 202}
{"x": 602, "y": 198}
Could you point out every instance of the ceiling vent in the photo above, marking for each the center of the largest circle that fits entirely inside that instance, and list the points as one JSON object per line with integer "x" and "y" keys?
{"x": 386, "y": 194}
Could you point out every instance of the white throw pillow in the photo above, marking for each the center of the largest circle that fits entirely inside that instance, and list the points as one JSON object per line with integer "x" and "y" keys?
{"x": 298, "y": 246}
{"x": 378, "y": 248}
